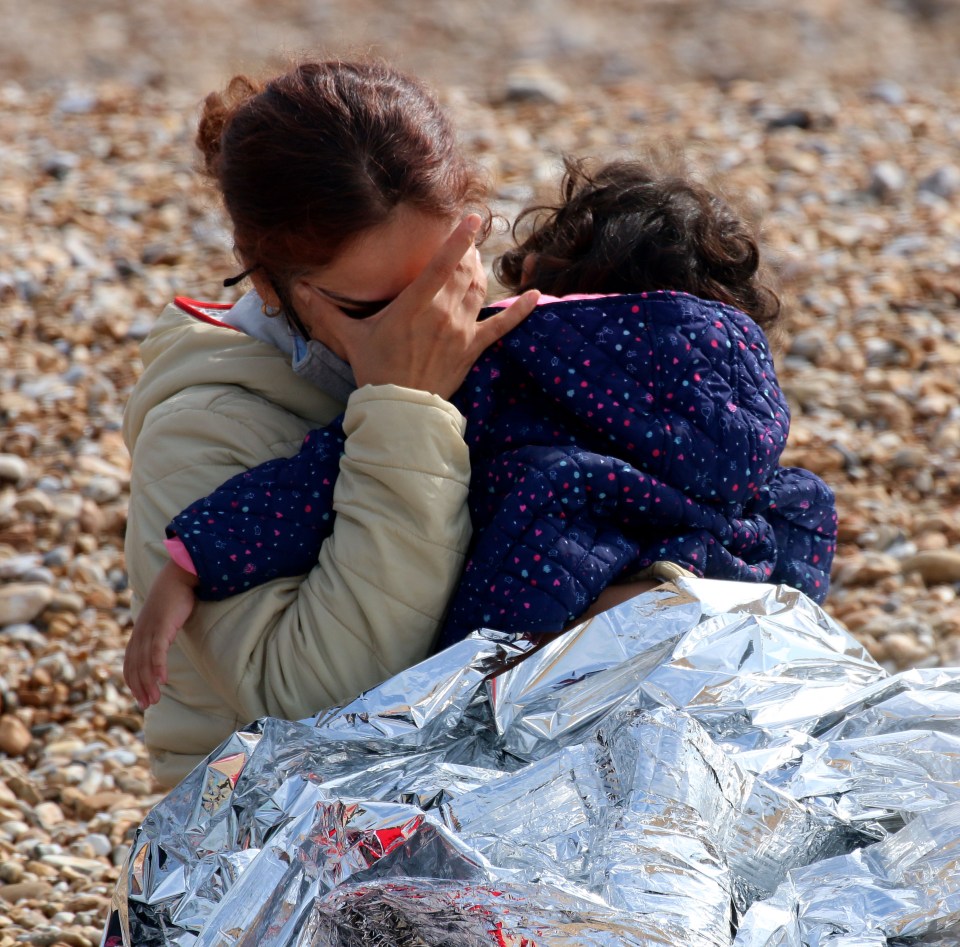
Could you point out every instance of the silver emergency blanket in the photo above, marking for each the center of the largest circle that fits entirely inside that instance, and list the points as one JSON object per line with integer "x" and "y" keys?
{"x": 709, "y": 764}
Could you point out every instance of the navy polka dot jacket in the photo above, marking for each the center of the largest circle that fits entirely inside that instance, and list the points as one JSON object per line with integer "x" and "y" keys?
{"x": 604, "y": 434}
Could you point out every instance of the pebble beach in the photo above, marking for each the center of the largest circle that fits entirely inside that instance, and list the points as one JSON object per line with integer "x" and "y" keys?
{"x": 838, "y": 126}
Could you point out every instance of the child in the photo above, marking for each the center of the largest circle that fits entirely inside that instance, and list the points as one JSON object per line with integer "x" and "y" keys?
{"x": 606, "y": 432}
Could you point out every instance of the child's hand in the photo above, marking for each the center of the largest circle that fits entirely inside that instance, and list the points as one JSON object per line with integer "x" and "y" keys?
{"x": 165, "y": 611}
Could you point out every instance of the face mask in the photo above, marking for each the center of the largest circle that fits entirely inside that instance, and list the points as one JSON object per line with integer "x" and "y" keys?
{"x": 315, "y": 363}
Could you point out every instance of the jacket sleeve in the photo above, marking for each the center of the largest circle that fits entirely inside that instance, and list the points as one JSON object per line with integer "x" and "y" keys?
{"x": 374, "y": 598}
{"x": 264, "y": 523}
{"x": 802, "y": 510}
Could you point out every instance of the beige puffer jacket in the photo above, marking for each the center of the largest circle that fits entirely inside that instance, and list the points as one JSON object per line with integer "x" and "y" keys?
{"x": 212, "y": 402}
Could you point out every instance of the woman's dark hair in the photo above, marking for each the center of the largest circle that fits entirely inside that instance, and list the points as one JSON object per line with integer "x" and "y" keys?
{"x": 310, "y": 160}
{"x": 630, "y": 227}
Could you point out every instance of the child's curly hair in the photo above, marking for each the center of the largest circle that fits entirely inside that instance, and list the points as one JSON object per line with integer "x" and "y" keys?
{"x": 632, "y": 226}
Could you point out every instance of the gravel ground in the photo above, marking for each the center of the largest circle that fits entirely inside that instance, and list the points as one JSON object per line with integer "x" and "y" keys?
{"x": 839, "y": 124}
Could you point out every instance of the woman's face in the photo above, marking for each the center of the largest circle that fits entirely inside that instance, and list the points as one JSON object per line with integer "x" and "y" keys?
{"x": 372, "y": 271}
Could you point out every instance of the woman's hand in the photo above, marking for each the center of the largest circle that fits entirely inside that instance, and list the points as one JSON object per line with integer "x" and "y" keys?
{"x": 428, "y": 337}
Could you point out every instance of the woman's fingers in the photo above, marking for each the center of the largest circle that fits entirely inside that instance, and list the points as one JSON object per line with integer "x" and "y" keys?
{"x": 448, "y": 262}
{"x": 497, "y": 326}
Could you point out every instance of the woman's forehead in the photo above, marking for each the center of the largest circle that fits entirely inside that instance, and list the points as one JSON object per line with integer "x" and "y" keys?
{"x": 383, "y": 261}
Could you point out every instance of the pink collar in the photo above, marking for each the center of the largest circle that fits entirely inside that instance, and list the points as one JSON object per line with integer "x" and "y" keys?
{"x": 544, "y": 299}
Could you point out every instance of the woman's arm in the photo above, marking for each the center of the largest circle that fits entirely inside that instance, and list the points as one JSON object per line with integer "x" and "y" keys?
{"x": 374, "y": 600}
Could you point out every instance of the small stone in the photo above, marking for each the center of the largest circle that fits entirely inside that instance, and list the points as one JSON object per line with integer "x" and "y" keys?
{"x": 86, "y": 806}
{"x": 790, "y": 118}
{"x": 91, "y": 867}
{"x": 886, "y": 90}
{"x": 868, "y": 569}
{"x": 73, "y": 939}
{"x": 99, "y": 844}
{"x": 23, "y": 601}
{"x": 944, "y": 182}
{"x": 77, "y": 102}
{"x": 25, "y": 634}
{"x": 102, "y": 489}
{"x": 26, "y": 891}
{"x": 11, "y": 872}
{"x": 40, "y": 575}
{"x": 808, "y": 345}
{"x": 63, "y": 747}
{"x": 904, "y": 650}
{"x": 86, "y": 569}
{"x": 35, "y": 502}
{"x": 91, "y": 517}
{"x": 57, "y": 557}
{"x": 532, "y": 83}
{"x": 67, "y": 506}
{"x": 87, "y": 902}
{"x": 886, "y": 180}
{"x": 24, "y": 788}
{"x": 928, "y": 542}
{"x": 49, "y": 848}
{"x": 15, "y": 738}
{"x": 793, "y": 159}
{"x": 100, "y": 596}
{"x": 13, "y": 469}
{"x": 936, "y": 566}
{"x": 139, "y": 329}
{"x": 909, "y": 458}
{"x": 14, "y": 829}
{"x": 48, "y": 815}
{"x": 63, "y": 601}
{"x": 58, "y": 164}
{"x": 161, "y": 254}
{"x": 17, "y": 566}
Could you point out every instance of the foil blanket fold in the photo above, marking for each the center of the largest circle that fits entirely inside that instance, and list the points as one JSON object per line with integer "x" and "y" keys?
{"x": 709, "y": 764}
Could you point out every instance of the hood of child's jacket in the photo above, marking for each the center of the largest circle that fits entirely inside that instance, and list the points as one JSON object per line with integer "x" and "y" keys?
{"x": 681, "y": 388}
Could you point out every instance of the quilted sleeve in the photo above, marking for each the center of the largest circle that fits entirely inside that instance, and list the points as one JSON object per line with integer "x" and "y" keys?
{"x": 264, "y": 523}
{"x": 802, "y": 511}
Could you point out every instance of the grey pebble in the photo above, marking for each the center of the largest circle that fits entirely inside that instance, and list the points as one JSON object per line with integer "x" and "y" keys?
{"x": 944, "y": 182}
{"x": 58, "y": 557}
{"x": 808, "y": 345}
{"x": 534, "y": 85}
{"x": 139, "y": 329}
{"x": 17, "y": 566}
{"x": 59, "y": 164}
{"x": 119, "y": 755}
{"x": 889, "y": 91}
{"x": 102, "y": 489}
{"x": 886, "y": 180}
{"x": 77, "y": 102}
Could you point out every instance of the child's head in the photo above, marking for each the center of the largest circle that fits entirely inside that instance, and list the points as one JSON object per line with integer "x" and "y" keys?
{"x": 631, "y": 226}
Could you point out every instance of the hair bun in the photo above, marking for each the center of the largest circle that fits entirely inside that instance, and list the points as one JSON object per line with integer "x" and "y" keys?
{"x": 215, "y": 114}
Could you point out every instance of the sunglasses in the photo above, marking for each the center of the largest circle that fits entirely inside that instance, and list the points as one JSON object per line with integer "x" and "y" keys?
{"x": 351, "y": 308}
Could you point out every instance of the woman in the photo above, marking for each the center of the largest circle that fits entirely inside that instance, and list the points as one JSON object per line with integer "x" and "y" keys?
{"x": 349, "y": 203}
